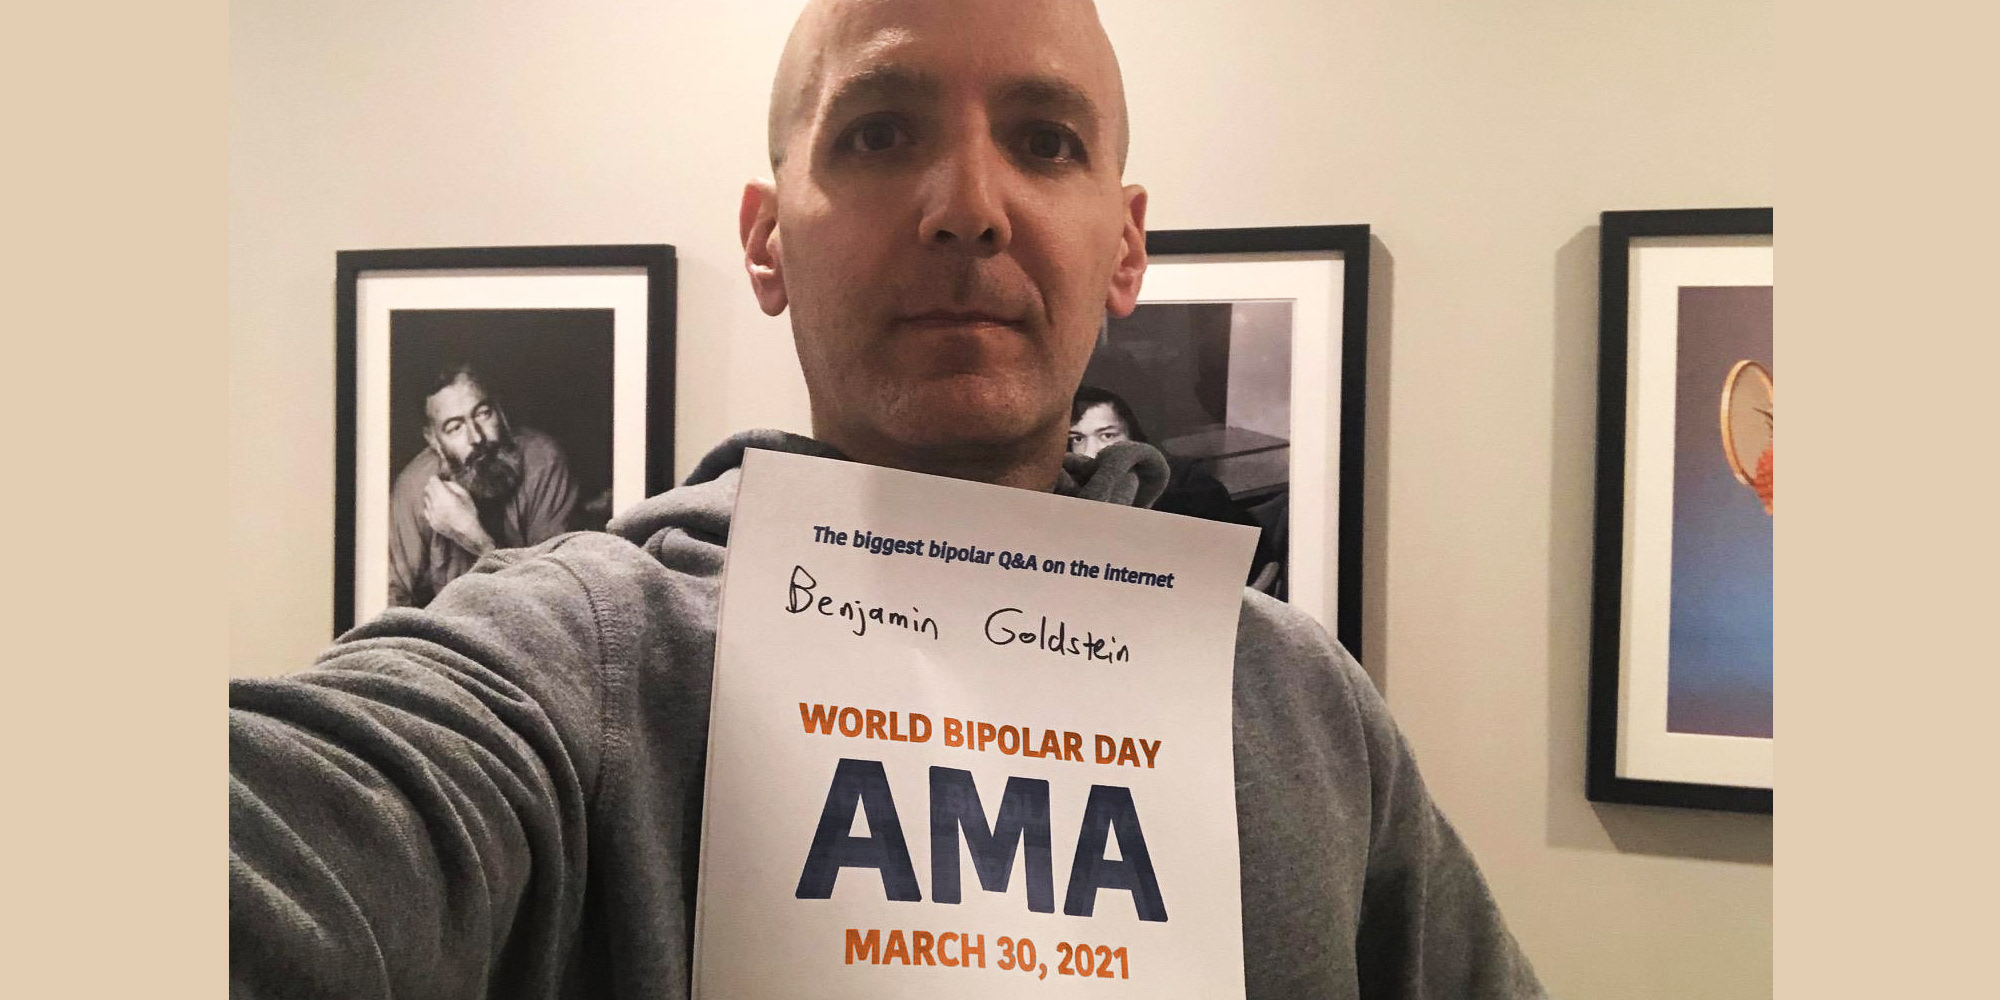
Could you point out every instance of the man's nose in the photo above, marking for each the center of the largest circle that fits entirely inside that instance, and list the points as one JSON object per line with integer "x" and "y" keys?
{"x": 967, "y": 206}
{"x": 478, "y": 433}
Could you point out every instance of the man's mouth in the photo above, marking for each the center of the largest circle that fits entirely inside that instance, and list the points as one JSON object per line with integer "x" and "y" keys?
{"x": 941, "y": 318}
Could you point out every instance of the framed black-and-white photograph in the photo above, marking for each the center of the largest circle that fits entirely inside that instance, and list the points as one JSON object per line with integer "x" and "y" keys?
{"x": 1681, "y": 643}
{"x": 1244, "y": 363}
{"x": 491, "y": 397}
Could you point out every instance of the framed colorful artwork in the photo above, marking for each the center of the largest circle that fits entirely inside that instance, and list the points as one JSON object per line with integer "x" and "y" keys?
{"x": 491, "y": 397}
{"x": 1244, "y": 364}
{"x": 1681, "y": 644}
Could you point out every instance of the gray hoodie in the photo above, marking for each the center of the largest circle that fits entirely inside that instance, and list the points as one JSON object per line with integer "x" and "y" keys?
{"x": 500, "y": 795}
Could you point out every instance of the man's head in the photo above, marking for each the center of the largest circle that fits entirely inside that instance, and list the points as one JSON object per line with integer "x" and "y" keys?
{"x": 1099, "y": 418}
{"x": 947, "y": 221}
{"x": 468, "y": 430}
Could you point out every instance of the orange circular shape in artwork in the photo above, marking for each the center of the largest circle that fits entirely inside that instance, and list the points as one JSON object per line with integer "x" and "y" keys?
{"x": 1748, "y": 420}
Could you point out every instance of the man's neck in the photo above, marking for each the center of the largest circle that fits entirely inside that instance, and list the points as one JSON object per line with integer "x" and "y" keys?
{"x": 1030, "y": 464}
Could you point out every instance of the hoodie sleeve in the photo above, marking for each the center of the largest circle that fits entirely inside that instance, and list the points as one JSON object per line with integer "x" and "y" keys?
{"x": 1429, "y": 927}
{"x": 407, "y": 817}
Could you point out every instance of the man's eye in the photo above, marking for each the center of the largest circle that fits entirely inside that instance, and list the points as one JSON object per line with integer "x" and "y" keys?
{"x": 1049, "y": 143}
{"x": 874, "y": 136}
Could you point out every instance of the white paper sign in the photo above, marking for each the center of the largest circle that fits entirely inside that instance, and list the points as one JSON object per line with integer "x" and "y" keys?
{"x": 968, "y": 741}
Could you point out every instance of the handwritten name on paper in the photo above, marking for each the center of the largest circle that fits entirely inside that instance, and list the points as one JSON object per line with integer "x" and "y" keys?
{"x": 1009, "y": 626}
{"x": 801, "y": 597}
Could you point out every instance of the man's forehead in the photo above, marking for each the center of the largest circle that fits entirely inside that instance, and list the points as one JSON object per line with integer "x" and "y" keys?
{"x": 988, "y": 43}
{"x": 1031, "y": 51}
{"x": 853, "y": 22}
{"x": 1099, "y": 416}
{"x": 464, "y": 392}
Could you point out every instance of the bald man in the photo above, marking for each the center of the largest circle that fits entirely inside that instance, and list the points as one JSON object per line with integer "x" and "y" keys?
{"x": 500, "y": 795}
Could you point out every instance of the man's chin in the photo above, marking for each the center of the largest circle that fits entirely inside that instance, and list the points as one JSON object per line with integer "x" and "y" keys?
{"x": 965, "y": 412}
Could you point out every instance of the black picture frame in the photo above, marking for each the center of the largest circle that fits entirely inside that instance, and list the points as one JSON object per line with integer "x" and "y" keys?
{"x": 655, "y": 264}
{"x": 1350, "y": 244}
{"x": 1620, "y": 229}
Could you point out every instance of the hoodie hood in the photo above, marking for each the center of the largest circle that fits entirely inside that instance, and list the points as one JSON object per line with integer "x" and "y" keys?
{"x": 686, "y": 528}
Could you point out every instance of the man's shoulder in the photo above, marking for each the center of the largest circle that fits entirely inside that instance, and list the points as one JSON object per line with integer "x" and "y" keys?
{"x": 537, "y": 444}
{"x": 418, "y": 471}
{"x": 1268, "y": 622}
{"x": 1282, "y": 648}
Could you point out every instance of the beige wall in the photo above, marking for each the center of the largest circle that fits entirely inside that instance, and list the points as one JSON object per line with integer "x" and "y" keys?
{"x": 1480, "y": 139}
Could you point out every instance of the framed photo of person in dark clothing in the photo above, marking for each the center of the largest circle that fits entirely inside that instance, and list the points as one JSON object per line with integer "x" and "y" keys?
{"x": 492, "y": 398}
{"x": 1244, "y": 365}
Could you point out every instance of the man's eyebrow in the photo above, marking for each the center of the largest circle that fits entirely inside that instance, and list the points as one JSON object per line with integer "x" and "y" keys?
{"x": 882, "y": 82}
{"x": 1053, "y": 93}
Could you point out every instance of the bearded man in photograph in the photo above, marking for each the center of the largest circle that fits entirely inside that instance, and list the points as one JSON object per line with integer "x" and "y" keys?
{"x": 479, "y": 484}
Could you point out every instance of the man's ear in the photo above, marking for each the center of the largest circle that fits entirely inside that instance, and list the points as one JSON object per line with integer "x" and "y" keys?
{"x": 1124, "y": 294}
{"x": 757, "y": 225}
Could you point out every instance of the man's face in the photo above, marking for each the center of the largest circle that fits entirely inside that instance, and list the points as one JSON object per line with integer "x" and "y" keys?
{"x": 1097, "y": 428}
{"x": 470, "y": 433}
{"x": 950, "y": 225}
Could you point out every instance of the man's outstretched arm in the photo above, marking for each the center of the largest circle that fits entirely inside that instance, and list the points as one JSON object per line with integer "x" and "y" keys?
{"x": 407, "y": 817}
